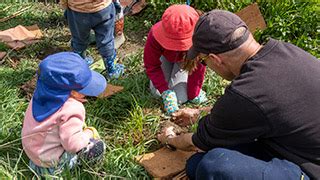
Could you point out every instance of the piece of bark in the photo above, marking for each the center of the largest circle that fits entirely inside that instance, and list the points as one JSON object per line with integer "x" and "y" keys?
{"x": 2, "y": 54}
{"x": 164, "y": 163}
{"x": 252, "y": 16}
{"x": 110, "y": 90}
{"x": 35, "y": 30}
{"x": 20, "y": 36}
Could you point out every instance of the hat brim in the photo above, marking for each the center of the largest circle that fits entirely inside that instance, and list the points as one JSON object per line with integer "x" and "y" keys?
{"x": 170, "y": 44}
{"x": 192, "y": 53}
{"x": 96, "y": 86}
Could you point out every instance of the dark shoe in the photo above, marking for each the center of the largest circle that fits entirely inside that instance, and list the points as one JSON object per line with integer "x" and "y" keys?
{"x": 94, "y": 152}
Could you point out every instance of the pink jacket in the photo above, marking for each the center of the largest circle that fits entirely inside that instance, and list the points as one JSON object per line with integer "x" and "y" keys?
{"x": 44, "y": 142}
{"x": 152, "y": 52}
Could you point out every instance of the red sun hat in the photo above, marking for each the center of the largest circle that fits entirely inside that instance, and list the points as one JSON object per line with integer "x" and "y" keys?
{"x": 174, "y": 32}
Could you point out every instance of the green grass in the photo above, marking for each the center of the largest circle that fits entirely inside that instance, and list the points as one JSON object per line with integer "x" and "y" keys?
{"x": 129, "y": 120}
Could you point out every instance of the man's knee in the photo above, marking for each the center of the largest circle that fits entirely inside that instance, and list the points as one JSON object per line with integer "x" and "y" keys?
{"x": 219, "y": 163}
{"x": 192, "y": 164}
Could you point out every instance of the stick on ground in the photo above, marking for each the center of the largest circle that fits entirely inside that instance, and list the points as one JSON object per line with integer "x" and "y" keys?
{"x": 15, "y": 14}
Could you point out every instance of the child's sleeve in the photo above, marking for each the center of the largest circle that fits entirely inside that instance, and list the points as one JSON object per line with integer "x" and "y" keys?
{"x": 152, "y": 63}
{"x": 73, "y": 137}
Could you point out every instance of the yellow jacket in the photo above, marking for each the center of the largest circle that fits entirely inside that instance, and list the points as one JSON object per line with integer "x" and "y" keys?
{"x": 85, "y": 6}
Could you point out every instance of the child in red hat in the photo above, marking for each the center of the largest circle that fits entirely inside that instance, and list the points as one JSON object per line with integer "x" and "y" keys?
{"x": 166, "y": 46}
{"x": 54, "y": 134}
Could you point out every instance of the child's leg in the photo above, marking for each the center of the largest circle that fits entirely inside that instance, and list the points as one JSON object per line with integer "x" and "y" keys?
{"x": 67, "y": 161}
{"x": 41, "y": 171}
{"x": 166, "y": 67}
{"x": 176, "y": 78}
{"x": 80, "y": 25}
{"x": 178, "y": 82}
{"x": 104, "y": 31}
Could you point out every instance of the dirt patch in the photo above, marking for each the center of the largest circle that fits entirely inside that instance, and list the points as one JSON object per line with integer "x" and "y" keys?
{"x": 176, "y": 128}
{"x": 129, "y": 47}
{"x": 48, "y": 50}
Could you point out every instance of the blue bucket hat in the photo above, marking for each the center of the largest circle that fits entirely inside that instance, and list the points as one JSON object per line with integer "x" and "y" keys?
{"x": 58, "y": 75}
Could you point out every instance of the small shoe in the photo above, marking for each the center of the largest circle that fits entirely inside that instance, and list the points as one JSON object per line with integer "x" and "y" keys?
{"x": 94, "y": 152}
{"x": 89, "y": 60}
{"x": 116, "y": 72}
{"x": 201, "y": 98}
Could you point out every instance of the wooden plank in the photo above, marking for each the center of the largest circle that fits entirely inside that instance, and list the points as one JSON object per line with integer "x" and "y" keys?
{"x": 164, "y": 163}
{"x": 252, "y": 16}
{"x": 110, "y": 90}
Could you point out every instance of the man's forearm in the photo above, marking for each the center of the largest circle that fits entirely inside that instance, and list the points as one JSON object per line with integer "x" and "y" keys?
{"x": 183, "y": 142}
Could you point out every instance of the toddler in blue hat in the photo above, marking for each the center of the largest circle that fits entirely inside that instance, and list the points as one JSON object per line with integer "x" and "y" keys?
{"x": 54, "y": 134}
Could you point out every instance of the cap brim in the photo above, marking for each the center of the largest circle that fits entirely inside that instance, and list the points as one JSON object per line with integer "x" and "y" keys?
{"x": 192, "y": 53}
{"x": 96, "y": 86}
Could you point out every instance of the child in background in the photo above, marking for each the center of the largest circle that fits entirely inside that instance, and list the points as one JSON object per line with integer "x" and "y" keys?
{"x": 82, "y": 16}
{"x": 54, "y": 134}
{"x": 167, "y": 43}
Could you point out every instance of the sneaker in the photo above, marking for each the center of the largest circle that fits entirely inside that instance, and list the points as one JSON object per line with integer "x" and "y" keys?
{"x": 89, "y": 60}
{"x": 94, "y": 152}
{"x": 116, "y": 72}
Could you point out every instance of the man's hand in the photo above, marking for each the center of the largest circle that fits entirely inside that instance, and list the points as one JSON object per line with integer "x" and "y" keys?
{"x": 173, "y": 141}
{"x": 186, "y": 116}
{"x": 166, "y": 133}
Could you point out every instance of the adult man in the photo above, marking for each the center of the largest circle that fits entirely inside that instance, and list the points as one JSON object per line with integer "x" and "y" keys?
{"x": 266, "y": 125}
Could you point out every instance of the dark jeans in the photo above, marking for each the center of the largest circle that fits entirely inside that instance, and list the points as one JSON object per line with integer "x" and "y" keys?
{"x": 101, "y": 22}
{"x": 241, "y": 163}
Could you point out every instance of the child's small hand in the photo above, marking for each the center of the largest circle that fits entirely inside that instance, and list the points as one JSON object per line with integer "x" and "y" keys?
{"x": 170, "y": 101}
{"x": 94, "y": 132}
{"x": 117, "y": 6}
{"x": 64, "y": 4}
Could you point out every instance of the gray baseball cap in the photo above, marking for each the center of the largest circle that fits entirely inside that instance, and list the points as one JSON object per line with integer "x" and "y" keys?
{"x": 213, "y": 32}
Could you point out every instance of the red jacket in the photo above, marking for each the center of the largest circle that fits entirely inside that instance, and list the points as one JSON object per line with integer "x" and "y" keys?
{"x": 152, "y": 53}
